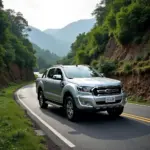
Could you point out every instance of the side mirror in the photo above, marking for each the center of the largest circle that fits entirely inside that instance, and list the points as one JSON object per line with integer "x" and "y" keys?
{"x": 57, "y": 77}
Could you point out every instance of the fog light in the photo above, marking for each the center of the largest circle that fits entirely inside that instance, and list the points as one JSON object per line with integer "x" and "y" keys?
{"x": 85, "y": 103}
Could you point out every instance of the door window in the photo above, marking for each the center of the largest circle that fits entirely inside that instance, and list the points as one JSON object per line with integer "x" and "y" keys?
{"x": 51, "y": 73}
{"x": 59, "y": 72}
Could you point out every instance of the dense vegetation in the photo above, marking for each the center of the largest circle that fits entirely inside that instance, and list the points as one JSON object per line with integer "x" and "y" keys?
{"x": 14, "y": 45}
{"x": 125, "y": 20}
{"x": 44, "y": 57}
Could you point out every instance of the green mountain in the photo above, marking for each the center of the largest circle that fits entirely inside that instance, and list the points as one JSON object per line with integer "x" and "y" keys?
{"x": 45, "y": 58}
{"x": 70, "y": 32}
{"x": 48, "y": 42}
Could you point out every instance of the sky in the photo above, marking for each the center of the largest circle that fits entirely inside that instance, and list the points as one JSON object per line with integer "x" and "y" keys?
{"x": 44, "y": 14}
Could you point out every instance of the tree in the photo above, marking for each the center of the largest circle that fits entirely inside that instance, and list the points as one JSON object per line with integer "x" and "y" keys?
{"x": 19, "y": 25}
{"x": 1, "y": 4}
{"x": 4, "y": 24}
{"x": 14, "y": 46}
{"x": 2, "y": 53}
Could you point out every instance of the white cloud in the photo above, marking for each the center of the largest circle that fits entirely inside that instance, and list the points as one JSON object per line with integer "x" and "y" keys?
{"x": 52, "y": 13}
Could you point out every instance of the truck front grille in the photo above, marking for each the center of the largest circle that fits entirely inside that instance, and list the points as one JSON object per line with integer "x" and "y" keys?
{"x": 111, "y": 90}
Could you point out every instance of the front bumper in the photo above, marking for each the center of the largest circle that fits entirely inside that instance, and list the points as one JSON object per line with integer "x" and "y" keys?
{"x": 90, "y": 102}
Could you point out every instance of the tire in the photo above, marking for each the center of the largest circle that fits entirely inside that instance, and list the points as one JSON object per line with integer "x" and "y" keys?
{"x": 115, "y": 112}
{"x": 71, "y": 110}
{"x": 42, "y": 100}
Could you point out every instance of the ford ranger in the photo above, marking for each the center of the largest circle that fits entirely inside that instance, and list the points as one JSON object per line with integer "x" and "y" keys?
{"x": 80, "y": 88}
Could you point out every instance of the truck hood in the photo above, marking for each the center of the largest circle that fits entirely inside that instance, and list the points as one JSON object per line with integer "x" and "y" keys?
{"x": 99, "y": 81}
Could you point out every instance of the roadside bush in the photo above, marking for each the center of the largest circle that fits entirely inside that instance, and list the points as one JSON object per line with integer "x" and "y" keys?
{"x": 107, "y": 67}
{"x": 139, "y": 58}
{"x": 143, "y": 63}
{"x": 121, "y": 63}
{"x": 135, "y": 98}
{"x": 127, "y": 68}
{"x": 137, "y": 40}
{"x": 145, "y": 69}
{"x": 140, "y": 64}
{"x": 94, "y": 63}
{"x": 146, "y": 38}
{"x": 135, "y": 63}
{"x": 124, "y": 37}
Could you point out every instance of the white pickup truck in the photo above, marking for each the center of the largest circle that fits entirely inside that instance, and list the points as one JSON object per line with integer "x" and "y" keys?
{"x": 80, "y": 88}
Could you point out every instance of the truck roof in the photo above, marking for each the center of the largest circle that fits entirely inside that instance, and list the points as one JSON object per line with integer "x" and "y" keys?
{"x": 68, "y": 65}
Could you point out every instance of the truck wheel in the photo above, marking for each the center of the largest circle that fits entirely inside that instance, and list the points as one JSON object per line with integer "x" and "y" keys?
{"x": 71, "y": 110}
{"x": 115, "y": 112}
{"x": 42, "y": 100}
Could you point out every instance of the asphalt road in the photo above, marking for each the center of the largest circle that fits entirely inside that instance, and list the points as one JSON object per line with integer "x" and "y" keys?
{"x": 131, "y": 131}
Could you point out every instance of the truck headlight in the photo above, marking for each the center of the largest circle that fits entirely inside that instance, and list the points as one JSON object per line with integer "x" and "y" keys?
{"x": 84, "y": 88}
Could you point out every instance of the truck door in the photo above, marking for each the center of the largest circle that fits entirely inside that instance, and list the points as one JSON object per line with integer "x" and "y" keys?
{"x": 58, "y": 86}
{"x": 49, "y": 85}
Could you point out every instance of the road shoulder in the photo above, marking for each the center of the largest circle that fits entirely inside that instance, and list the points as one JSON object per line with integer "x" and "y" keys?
{"x": 57, "y": 140}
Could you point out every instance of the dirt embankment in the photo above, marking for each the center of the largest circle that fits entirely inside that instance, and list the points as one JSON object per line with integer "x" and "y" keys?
{"x": 138, "y": 85}
{"x": 129, "y": 52}
{"x": 15, "y": 74}
{"x": 135, "y": 84}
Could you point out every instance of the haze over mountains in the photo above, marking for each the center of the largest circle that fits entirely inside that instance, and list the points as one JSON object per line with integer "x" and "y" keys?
{"x": 59, "y": 41}
{"x": 48, "y": 42}
{"x": 72, "y": 30}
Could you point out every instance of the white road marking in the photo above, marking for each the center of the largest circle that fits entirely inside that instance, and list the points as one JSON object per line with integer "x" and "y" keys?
{"x": 70, "y": 144}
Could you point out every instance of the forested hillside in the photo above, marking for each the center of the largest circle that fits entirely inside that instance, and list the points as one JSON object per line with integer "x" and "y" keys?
{"x": 15, "y": 49}
{"x": 45, "y": 58}
{"x": 119, "y": 43}
{"x": 125, "y": 20}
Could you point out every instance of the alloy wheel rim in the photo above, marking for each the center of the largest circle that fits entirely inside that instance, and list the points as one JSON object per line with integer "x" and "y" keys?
{"x": 70, "y": 110}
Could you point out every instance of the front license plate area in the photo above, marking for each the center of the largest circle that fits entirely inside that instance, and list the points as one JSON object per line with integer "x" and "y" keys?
{"x": 110, "y": 99}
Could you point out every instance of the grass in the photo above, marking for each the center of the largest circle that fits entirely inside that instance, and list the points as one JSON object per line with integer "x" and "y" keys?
{"x": 135, "y": 67}
{"x": 16, "y": 130}
{"x": 138, "y": 100}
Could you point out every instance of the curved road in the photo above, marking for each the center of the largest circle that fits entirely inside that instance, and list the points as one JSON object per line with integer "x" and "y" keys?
{"x": 93, "y": 132}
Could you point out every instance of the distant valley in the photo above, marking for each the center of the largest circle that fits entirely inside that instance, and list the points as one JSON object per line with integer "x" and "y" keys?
{"x": 58, "y": 41}
{"x": 48, "y": 42}
{"x": 45, "y": 58}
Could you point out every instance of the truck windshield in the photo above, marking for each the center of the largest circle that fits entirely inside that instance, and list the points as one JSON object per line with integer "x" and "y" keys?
{"x": 80, "y": 72}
